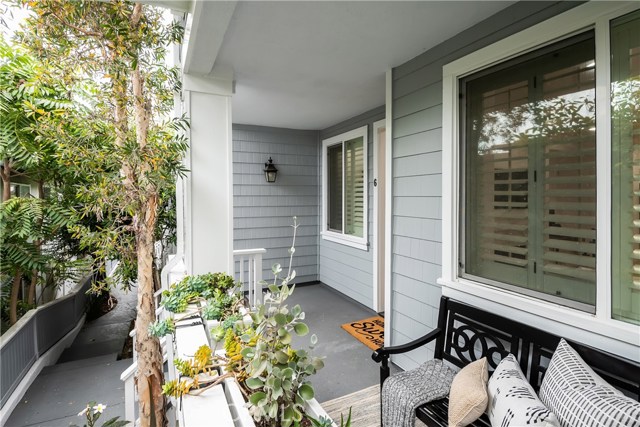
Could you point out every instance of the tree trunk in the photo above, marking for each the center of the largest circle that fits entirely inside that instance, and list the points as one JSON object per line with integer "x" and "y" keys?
{"x": 13, "y": 299}
{"x": 31, "y": 295}
{"x": 149, "y": 379}
{"x": 5, "y": 174}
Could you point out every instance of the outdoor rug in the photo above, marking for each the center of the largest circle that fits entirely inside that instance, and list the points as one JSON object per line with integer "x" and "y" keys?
{"x": 368, "y": 331}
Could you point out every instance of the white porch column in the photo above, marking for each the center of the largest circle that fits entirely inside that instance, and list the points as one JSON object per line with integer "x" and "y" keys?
{"x": 206, "y": 217}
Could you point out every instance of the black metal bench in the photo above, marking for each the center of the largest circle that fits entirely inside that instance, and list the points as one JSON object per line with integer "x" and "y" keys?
{"x": 466, "y": 333}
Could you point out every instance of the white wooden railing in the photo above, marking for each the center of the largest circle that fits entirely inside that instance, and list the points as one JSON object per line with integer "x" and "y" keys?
{"x": 249, "y": 268}
{"x": 250, "y": 272}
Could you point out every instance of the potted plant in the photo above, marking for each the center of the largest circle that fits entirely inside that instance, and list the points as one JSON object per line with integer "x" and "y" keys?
{"x": 259, "y": 360}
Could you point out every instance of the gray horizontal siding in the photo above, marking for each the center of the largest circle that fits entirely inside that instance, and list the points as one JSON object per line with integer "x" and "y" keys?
{"x": 417, "y": 170}
{"x": 344, "y": 268}
{"x": 262, "y": 212}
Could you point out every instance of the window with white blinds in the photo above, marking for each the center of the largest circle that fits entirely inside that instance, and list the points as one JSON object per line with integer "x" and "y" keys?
{"x": 530, "y": 173}
{"x": 345, "y": 188}
{"x": 354, "y": 187}
{"x": 625, "y": 142}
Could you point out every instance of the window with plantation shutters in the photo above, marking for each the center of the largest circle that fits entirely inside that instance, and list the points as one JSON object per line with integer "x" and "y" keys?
{"x": 354, "y": 187}
{"x": 345, "y": 188}
{"x": 530, "y": 173}
{"x": 625, "y": 142}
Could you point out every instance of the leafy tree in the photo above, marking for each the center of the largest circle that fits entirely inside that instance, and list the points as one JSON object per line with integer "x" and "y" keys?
{"x": 125, "y": 152}
{"x": 28, "y": 95}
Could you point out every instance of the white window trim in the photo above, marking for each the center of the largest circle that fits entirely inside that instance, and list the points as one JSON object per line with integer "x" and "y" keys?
{"x": 361, "y": 243}
{"x": 590, "y": 15}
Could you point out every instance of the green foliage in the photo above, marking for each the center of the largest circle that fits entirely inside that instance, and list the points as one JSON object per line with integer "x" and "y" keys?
{"x": 219, "y": 331}
{"x": 177, "y": 388}
{"x": 220, "y": 304}
{"x": 277, "y": 372}
{"x": 117, "y": 168}
{"x": 212, "y": 286}
{"x": 92, "y": 413}
{"x": 162, "y": 327}
{"x": 327, "y": 422}
{"x": 33, "y": 243}
{"x": 201, "y": 362}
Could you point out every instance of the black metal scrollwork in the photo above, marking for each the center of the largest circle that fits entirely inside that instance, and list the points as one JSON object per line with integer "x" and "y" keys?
{"x": 471, "y": 344}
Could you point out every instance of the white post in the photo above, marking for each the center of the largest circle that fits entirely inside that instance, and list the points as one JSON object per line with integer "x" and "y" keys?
{"x": 208, "y": 207}
{"x": 258, "y": 278}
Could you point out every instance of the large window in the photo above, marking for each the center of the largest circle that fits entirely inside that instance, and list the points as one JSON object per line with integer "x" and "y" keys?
{"x": 345, "y": 188}
{"x": 530, "y": 172}
{"x": 625, "y": 142}
{"x": 541, "y": 172}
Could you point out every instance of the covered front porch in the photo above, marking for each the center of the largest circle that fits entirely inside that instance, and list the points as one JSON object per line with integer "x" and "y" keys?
{"x": 94, "y": 367}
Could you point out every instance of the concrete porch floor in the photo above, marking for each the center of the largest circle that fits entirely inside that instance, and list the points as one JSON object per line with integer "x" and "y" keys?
{"x": 348, "y": 365}
{"x": 88, "y": 370}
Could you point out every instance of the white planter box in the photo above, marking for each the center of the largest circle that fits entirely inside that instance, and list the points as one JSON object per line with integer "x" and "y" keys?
{"x": 241, "y": 415}
{"x": 315, "y": 410}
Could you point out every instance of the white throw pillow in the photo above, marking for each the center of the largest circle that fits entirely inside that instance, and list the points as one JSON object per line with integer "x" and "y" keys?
{"x": 580, "y": 397}
{"x": 512, "y": 400}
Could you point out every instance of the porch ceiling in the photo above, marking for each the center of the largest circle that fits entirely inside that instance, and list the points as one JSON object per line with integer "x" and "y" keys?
{"x": 309, "y": 65}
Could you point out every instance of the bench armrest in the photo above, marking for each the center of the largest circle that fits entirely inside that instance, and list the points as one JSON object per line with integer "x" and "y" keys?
{"x": 382, "y": 354}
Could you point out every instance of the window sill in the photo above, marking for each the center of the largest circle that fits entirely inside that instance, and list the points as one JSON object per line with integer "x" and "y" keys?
{"x": 615, "y": 336}
{"x": 354, "y": 242}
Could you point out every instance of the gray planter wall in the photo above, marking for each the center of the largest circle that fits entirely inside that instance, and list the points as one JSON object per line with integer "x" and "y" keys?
{"x": 417, "y": 170}
{"x": 262, "y": 212}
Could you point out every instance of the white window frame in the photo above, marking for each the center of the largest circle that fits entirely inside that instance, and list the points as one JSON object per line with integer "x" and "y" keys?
{"x": 333, "y": 236}
{"x": 596, "y": 15}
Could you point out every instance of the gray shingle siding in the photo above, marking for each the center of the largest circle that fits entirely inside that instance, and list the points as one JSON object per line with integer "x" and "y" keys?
{"x": 417, "y": 169}
{"x": 344, "y": 268}
{"x": 262, "y": 212}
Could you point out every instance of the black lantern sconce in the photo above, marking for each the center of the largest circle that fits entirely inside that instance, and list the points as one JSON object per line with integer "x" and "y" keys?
{"x": 270, "y": 171}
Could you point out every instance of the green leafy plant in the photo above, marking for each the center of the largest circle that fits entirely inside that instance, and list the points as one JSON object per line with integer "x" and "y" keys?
{"x": 218, "y": 332}
{"x": 277, "y": 372}
{"x": 221, "y": 304}
{"x": 210, "y": 286}
{"x": 93, "y": 411}
{"x": 162, "y": 328}
{"x": 177, "y": 388}
{"x": 272, "y": 374}
{"x": 327, "y": 422}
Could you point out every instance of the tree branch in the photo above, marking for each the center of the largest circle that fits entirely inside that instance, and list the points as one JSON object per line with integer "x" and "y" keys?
{"x": 81, "y": 30}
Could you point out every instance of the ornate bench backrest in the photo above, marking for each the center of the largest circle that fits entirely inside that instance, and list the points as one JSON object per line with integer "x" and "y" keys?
{"x": 471, "y": 333}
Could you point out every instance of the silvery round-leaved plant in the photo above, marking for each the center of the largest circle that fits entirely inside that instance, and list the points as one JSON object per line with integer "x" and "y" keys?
{"x": 278, "y": 373}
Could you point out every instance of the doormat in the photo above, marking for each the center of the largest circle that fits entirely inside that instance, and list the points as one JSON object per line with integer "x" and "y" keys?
{"x": 369, "y": 331}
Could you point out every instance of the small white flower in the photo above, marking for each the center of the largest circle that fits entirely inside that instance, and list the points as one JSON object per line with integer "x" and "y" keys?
{"x": 99, "y": 408}
{"x": 84, "y": 411}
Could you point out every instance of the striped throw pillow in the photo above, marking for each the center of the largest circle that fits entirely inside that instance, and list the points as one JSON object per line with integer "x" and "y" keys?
{"x": 580, "y": 397}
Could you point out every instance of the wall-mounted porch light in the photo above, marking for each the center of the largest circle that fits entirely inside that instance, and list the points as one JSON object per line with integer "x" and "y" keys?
{"x": 270, "y": 171}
